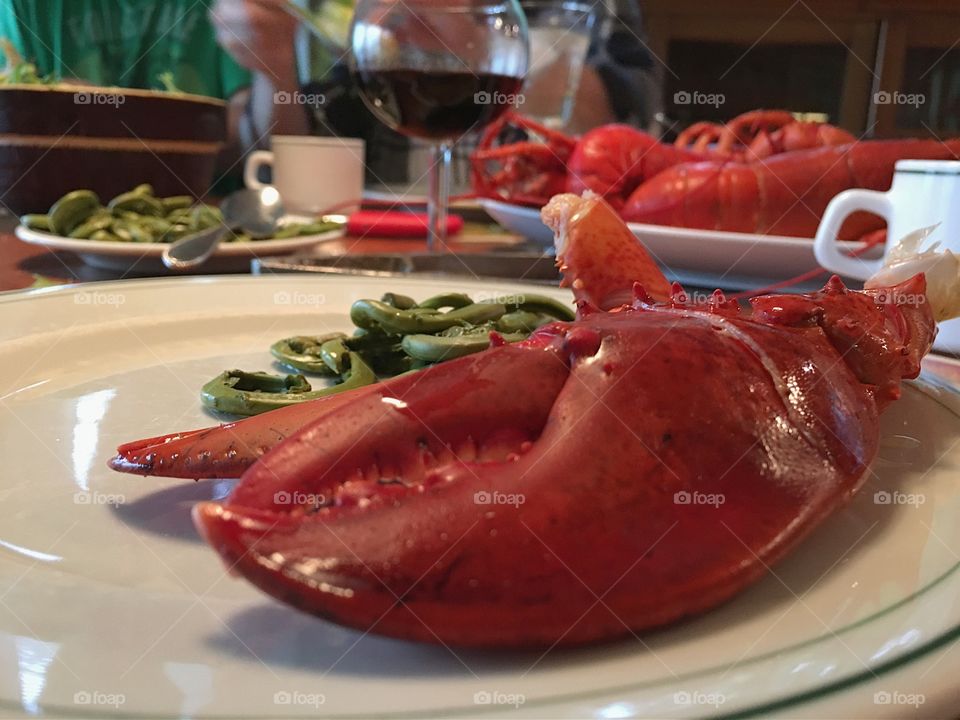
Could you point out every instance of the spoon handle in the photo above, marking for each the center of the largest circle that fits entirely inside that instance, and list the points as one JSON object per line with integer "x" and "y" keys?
{"x": 193, "y": 250}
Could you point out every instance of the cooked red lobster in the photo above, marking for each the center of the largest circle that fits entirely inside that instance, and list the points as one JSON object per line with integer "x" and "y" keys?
{"x": 762, "y": 172}
{"x": 785, "y": 194}
{"x": 613, "y": 160}
{"x": 640, "y": 464}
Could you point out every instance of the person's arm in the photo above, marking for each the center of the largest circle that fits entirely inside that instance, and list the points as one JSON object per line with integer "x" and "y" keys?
{"x": 592, "y": 106}
{"x": 620, "y": 80}
{"x": 259, "y": 35}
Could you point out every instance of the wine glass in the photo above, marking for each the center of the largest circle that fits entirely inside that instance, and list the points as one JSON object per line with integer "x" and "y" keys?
{"x": 437, "y": 69}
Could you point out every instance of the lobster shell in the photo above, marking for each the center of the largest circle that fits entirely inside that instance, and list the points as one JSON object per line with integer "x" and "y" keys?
{"x": 603, "y": 477}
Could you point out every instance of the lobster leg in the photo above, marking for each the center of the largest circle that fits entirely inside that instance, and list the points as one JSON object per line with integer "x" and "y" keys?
{"x": 699, "y": 136}
{"x": 759, "y": 134}
{"x": 527, "y": 172}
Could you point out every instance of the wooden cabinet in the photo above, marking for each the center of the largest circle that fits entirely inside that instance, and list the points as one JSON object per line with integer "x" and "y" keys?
{"x": 879, "y": 68}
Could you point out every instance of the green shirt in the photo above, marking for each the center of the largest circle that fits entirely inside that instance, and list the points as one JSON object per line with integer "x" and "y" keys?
{"x": 126, "y": 43}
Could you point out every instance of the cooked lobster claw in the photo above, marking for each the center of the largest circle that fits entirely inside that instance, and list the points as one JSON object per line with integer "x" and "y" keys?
{"x": 574, "y": 488}
{"x": 363, "y": 505}
{"x": 605, "y": 476}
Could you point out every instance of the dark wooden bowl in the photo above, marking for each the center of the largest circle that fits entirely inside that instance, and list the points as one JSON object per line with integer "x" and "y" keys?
{"x": 54, "y": 139}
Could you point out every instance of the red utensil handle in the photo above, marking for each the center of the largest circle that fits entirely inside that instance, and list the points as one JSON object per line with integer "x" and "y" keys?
{"x": 394, "y": 223}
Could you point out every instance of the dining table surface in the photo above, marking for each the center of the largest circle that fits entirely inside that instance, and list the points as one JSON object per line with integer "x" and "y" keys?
{"x": 23, "y": 265}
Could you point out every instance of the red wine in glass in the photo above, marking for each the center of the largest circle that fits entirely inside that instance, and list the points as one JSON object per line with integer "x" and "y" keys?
{"x": 436, "y": 69}
{"x": 437, "y": 105}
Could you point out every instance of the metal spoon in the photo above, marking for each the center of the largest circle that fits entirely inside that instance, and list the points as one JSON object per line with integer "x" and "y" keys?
{"x": 252, "y": 211}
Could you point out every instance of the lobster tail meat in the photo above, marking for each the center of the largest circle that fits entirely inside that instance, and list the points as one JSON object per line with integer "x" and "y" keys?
{"x": 604, "y": 476}
{"x": 606, "y": 259}
{"x": 940, "y": 270}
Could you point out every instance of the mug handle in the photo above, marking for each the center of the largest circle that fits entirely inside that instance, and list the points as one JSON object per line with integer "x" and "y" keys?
{"x": 256, "y": 160}
{"x": 825, "y": 245}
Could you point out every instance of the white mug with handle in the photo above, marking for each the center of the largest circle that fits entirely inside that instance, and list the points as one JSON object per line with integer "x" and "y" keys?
{"x": 310, "y": 173}
{"x": 924, "y": 193}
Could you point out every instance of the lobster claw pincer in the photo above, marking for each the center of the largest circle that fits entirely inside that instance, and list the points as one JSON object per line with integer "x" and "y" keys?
{"x": 360, "y": 517}
{"x": 222, "y": 451}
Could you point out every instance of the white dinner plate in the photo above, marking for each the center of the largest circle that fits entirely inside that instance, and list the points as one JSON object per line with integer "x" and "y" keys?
{"x": 132, "y": 258}
{"x": 110, "y": 604}
{"x": 704, "y": 258}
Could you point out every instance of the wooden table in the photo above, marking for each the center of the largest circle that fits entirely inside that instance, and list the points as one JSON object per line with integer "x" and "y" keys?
{"x": 23, "y": 265}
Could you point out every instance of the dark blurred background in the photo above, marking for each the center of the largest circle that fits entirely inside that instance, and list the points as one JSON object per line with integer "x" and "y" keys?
{"x": 882, "y": 68}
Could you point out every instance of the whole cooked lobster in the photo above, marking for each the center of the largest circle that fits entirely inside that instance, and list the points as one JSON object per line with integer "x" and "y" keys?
{"x": 658, "y": 456}
{"x": 521, "y": 161}
{"x": 762, "y": 172}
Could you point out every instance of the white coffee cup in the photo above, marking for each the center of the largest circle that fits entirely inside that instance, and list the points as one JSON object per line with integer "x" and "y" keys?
{"x": 924, "y": 193}
{"x": 310, "y": 173}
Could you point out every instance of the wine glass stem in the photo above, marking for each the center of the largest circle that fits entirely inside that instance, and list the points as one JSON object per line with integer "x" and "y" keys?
{"x": 439, "y": 197}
